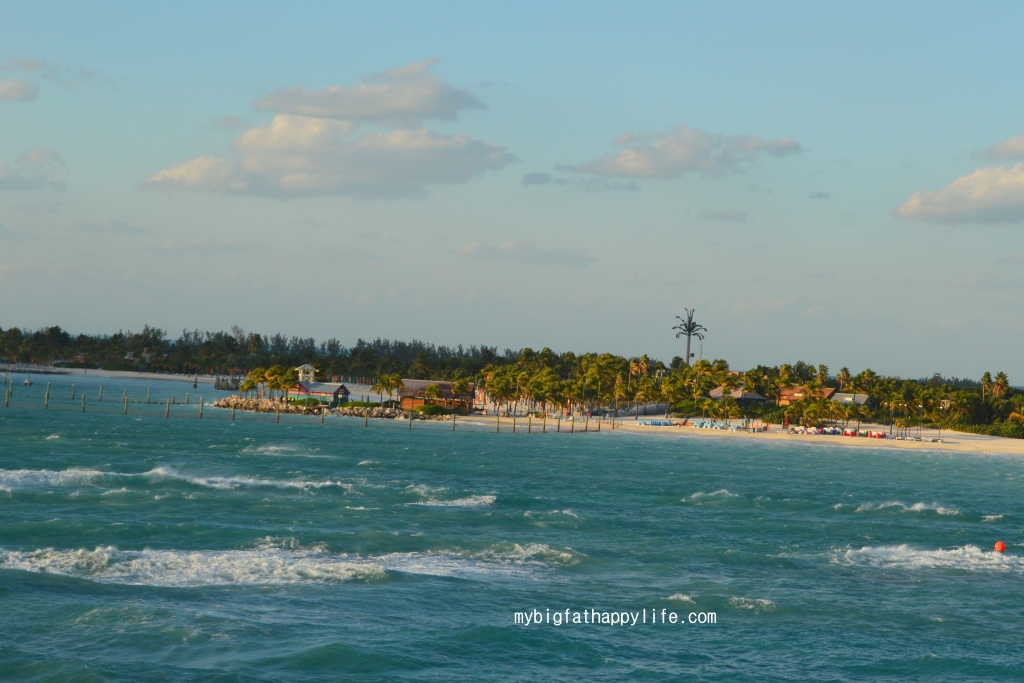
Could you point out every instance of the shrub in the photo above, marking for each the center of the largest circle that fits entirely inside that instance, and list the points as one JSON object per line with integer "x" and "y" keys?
{"x": 432, "y": 409}
{"x": 1009, "y": 430}
{"x": 360, "y": 404}
{"x": 306, "y": 402}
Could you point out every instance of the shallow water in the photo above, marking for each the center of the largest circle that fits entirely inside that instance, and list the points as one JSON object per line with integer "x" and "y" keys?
{"x": 143, "y": 548}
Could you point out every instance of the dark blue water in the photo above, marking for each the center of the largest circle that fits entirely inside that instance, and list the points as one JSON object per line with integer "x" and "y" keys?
{"x": 142, "y": 548}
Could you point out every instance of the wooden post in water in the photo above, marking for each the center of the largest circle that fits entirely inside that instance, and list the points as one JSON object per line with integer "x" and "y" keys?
{"x": 46, "y": 401}
{"x": 278, "y": 412}
{"x": 126, "y": 403}
{"x": 174, "y": 400}
{"x": 453, "y": 422}
{"x": 544, "y": 422}
{"x": 7, "y": 398}
{"x": 186, "y": 398}
{"x": 586, "y": 424}
{"x": 232, "y": 413}
{"x": 497, "y": 429}
{"x": 572, "y": 425}
{"x": 200, "y": 407}
{"x": 124, "y": 397}
{"x": 83, "y": 403}
{"x": 513, "y": 423}
{"x": 410, "y": 419}
{"x": 323, "y": 411}
{"x": 529, "y": 424}
{"x": 72, "y": 392}
{"x": 598, "y": 423}
{"x": 559, "y": 430}
{"x": 149, "y": 393}
{"x": 101, "y": 393}
{"x": 167, "y": 413}
{"x": 366, "y": 418}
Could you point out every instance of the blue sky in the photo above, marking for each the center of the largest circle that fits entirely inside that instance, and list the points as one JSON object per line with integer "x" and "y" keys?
{"x": 832, "y": 182}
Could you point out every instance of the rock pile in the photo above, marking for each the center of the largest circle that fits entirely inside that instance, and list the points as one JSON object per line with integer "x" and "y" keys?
{"x": 266, "y": 405}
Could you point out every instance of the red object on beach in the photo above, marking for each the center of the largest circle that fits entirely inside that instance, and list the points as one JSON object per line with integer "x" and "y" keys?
{"x": 1000, "y": 547}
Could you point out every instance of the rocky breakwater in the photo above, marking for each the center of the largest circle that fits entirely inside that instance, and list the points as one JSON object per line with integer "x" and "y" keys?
{"x": 385, "y": 414}
{"x": 264, "y": 405}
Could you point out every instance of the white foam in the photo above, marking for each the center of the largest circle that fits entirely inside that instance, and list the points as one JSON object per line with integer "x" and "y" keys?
{"x": 241, "y": 481}
{"x": 679, "y": 597}
{"x": 968, "y": 557}
{"x": 468, "y": 502}
{"x": 991, "y": 518}
{"x": 916, "y": 507}
{"x": 52, "y": 437}
{"x": 120, "y": 490}
{"x": 268, "y": 450}
{"x": 37, "y": 478}
{"x": 366, "y": 463}
{"x": 719, "y": 494}
{"x": 199, "y": 568}
{"x": 755, "y": 604}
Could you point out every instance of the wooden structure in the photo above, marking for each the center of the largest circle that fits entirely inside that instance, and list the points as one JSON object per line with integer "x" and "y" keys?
{"x": 306, "y": 373}
{"x": 327, "y": 392}
{"x": 412, "y": 395}
{"x": 794, "y": 394}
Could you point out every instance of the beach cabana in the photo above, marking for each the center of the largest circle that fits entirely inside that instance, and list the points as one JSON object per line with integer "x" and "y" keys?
{"x": 852, "y": 399}
{"x": 327, "y": 392}
{"x": 792, "y": 394}
{"x": 743, "y": 397}
{"x": 412, "y": 395}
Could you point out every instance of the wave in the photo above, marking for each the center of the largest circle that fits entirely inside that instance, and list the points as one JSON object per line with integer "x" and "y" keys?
{"x": 37, "y": 478}
{"x": 754, "y": 604}
{"x": 720, "y": 494}
{"x": 967, "y": 557}
{"x": 916, "y": 507}
{"x": 52, "y": 437}
{"x": 991, "y": 518}
{"x": 679, "y": 597}
{"x": 468, "y": 502}
{"x": 279, "y": 560}
{"x": 242, "y": 481}
{"x": 75, "y": 476}
{"x": 107, "y": 564}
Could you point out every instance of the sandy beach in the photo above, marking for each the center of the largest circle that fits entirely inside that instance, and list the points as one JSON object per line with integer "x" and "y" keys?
{"x": 951, "y": 441}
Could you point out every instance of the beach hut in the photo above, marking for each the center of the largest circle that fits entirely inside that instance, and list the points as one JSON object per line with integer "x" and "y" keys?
{"x": 306, "y": 373}
{"x": 412, "y": 395}
{"x": 327, "y": 392}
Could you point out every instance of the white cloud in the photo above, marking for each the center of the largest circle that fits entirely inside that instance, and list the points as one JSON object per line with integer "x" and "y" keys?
{"x": 17, "y": 90}
{"x": 1012, "y": 148}
{"x": 684, "y": 150}
{"x": 397, "y": 97}
{"x": 728, "y": 216}
{"x": 51, "y": 71}
{"x": 528, "y": 253}
{"x": 994, "y": 194}
{"x": 299, "y": 156}
{"x": 36, "y": 169}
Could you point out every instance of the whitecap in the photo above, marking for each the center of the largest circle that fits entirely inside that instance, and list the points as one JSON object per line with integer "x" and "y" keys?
{"x": 679, "y": 597}
{"x": 754, "y": 604}
{"x": 468, "y": 502}
{"x": 916, "y": 507}
{"x": 52, "y": 437}
{"x": 991, "y": 518}
{"x": 107, "y": 564}
{"x": 967, "y": 557}
{"x": 719, "y": 494}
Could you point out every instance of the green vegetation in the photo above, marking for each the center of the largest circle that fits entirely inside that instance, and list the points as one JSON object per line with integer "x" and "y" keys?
{"x": 432, "y": 409}
{"x": 544, "y": 379}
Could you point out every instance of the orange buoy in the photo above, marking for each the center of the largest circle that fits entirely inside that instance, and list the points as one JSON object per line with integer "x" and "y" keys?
{"x": 1000, "y": 547}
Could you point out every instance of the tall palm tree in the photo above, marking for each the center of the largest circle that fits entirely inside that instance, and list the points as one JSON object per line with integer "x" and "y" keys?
{"x": 380, "y": 385}
{"x": 986, "y": 384}
{"x": 1001, "y": 385}
{"x": 689, "y": 328}
{"x": 843, "y": 377}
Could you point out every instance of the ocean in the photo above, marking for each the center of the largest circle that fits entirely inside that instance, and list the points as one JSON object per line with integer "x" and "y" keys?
{"x": 143, "y": 548}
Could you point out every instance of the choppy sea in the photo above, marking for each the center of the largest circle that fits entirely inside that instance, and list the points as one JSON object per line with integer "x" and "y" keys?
{"x": 143, "y": 548}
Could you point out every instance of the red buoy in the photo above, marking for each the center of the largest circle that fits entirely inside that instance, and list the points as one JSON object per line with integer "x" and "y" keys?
{"x": 1000, "y": 547}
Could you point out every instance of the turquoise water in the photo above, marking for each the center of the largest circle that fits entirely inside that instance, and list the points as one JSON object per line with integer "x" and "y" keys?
{"x": 141, "y": 548}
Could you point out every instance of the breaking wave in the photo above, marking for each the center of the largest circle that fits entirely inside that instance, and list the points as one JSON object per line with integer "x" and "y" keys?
{"x": 468, "y": 502}
{"x": 753, "y": 604}
{"x": 720, "y": 494}
{"x": 968, "y": 557}
{"x": 897, "y": 506}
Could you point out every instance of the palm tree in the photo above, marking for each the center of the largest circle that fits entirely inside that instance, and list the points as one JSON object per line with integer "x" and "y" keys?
{"x": 432, "y": 391}
{"x": 843, "y": 377}
{"x": 459, "y": 385}
{"x": 688, "y": 328}
{"x": 986, "y": 384}
{"x": 380, "y": 385}
{"x": 1001, "y": 385}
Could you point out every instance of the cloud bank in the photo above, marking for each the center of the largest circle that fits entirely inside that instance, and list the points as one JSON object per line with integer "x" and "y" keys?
{"x": 311, "y": 147}
{"x": 994, "y": 194}
{"x": 36, "y": 169}
{"x": 397, "y": 97}
{"x": 528, "y": 253}
{"x": 1012, "y": 148}
{"x": 685, "y": 150}
{"x": 17, "y": 90}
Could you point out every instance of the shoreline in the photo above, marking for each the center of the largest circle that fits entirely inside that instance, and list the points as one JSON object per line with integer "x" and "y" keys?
{"x": 951, "y": 440}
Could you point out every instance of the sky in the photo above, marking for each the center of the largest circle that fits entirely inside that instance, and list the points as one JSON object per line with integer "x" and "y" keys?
{"x": 839, "y": 183}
